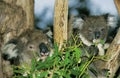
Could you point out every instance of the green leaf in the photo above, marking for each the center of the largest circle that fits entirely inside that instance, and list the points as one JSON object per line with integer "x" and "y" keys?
{"x": 42, "y": 74}
{"x": 33, "y": 65}
{"x": 102, "y": 41}
{"x": 77, "y": 53}
{"x": 66, "y": 61}
{"x": 56, "y": 48}
{"x": 75, "y": 71}
{"x": 44, "y": 65}
{"x": 81, "y": 66}
{"x": 67, "y": 54}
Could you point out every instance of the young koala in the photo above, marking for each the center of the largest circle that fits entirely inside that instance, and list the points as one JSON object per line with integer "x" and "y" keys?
{"x": 92, "y": 30}
{"x": 29, "y": 45}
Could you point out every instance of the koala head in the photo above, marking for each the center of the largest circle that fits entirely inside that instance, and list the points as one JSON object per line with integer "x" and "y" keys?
{"x": 26, "y": 47}
{"x": 38, "y": 43}
{"x": 95, "y": 27}
{"x": 92, "y": 28}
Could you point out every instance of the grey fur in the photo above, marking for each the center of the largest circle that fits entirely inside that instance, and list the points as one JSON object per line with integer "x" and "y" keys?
{"x": 23, "y": 49}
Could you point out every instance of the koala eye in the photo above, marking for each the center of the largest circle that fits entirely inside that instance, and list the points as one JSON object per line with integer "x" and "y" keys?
{"x": 31, "y": 46}
{"x": 102, "y": 29}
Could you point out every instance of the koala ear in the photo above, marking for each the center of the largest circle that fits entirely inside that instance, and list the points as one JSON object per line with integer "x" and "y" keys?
{"x": 83, "y": 16}
{"x": 77, "y": 22}
{"x": 49, "y": 31}
{"x": 106, "y": 16}
{"x": 111, "y": 20}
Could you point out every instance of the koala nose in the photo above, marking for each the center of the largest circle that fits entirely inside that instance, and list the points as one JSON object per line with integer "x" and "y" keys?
{"x": 97, "y": 35}
{"x": 43, "y": 48}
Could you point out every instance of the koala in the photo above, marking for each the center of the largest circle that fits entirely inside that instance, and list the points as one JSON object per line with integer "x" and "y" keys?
{"x": 29, "y": 45}
{"x": 92, "y": 29}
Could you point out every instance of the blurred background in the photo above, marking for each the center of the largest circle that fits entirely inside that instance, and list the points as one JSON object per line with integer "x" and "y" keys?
{"x": 44, "y": 10}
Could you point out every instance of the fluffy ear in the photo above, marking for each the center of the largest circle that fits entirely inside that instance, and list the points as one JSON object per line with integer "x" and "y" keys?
{"x": 77, "y": 22}
{"x": 106, "y": 16}
{"x": 112, "y": 21}
{"x": 83, "y": 16}
{"x": 48, "y": 31}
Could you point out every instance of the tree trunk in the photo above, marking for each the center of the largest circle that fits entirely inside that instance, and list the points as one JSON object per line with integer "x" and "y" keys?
{"x": 1, "y": 73}
{"x": 113, "y": 53}
{"x": 16, "y": 16}
{"x": 60, "y": 22}
{"x": 113, "y": 56}
{"x": 117, "y": 3}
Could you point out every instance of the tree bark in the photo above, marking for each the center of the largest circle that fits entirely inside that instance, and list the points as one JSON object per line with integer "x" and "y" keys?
{"x": 60, "y": 22}
{"x": 117, "y": 3}
{"x": 113, "y": 52}
{"x": 18, "y": 12}
{"x": 1, "y": 73}
{"x": 16, "y": 16}
{"x": 113, "y": 56}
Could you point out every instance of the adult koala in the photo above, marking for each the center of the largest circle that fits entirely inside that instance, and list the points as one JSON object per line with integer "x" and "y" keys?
{"x": 92, "y": 29}
{"x": 29, "y": 45}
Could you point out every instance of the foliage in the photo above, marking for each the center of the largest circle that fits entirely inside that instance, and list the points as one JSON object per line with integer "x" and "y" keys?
{"x": 70, "y": 62}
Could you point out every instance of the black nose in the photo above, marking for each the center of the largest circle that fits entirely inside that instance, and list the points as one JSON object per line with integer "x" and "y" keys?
{"x": 97, "y": 35}
{"x": 43, "y": 48}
